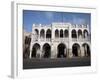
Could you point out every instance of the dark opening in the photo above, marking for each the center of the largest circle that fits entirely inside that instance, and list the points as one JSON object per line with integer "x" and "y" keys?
{"x": 86, "y": 49}
{"x": 35, "y": 48}
{"x": 79, "y": 33}
{"x": 61, "y": 51}
{"x": 48, "y": 33}
{"x": 75, "y": 49}
{"x": 61, "y": 33}
{"x": 56, "y": 33}
{"x": 47, "y": 50}
{"x": 66, "y": 33}
{"x": 74, "y": 35}
{"x": 85, "y": 32}
{"x": 33, "y": 52}
{"x": 42, "y": 33}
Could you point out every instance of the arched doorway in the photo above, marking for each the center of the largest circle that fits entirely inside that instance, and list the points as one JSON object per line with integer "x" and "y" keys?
{"x": 35, "y": 50}
{"x": 61, "y": 50}
{"x": 46, "y": 50}
{"x": 86, "y": 49}
{"x": 76, "y": 50}
{"x": 74, "y": 34}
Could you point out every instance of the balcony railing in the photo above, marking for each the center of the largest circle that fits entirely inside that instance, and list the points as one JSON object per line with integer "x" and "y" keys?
{"x": 81, "y": 39}
{"x": 61, "y": 39}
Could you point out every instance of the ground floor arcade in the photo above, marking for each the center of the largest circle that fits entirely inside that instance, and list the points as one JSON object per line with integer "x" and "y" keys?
{"x": 59, "y": 50}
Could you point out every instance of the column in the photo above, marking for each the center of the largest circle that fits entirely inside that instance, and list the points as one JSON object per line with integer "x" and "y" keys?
{"x": 39, "y": 36}
{"x": 52, "y": 51}
{"x": 77, "y": 36}
{"x": 31, "y": 45}
{"x": 30, "y": 51}
{"x": 82, "y": 52}
{"x": 70, "y": 55}
{"x": 63, "y": 34}
{"x": 79, "y": 52}
{"x": 40, "y": 51}
{"x": 45, "y": 35}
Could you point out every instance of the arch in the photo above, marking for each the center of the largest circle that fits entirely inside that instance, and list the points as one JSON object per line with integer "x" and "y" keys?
{"x": 48, "y": 33}
{"x": 42, "y": 33}
{"x": 61, "y": 33}
{"x": 76, "y": 49}
{"x": 79, "y": 33}
{"x": 61, "y": 50}
{"x": 74, "y": 34}
{"x": 35, "y": 50}
{"x": 86, "y": 49}
{"x": 46, "y": 50}
{"x": 36, "y": 31}
{"x": 66, "y": 33}
{"x": 85, "y": 33}
{"x": 56, "y": 33}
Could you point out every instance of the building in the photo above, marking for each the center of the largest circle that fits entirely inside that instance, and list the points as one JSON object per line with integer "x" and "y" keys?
{"x": 26, "y": 44}
{"x": 60, "y": 40}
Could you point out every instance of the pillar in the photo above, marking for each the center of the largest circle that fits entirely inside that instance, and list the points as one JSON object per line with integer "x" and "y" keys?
{"x": 82, "y": 51}
{"x": 40, "y": 52}
{"x": 79, "y": 52}
{"x": 45, "y": 35}
{"x": 53, "y": 51}
{"x": 70, "y": 55}
{"x": 30, "y": 51}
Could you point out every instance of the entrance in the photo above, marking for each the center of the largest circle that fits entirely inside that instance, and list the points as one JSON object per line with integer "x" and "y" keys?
{"x": 61, "y": 50}
{"x": 75, "y": 49}
{"x": 47, "y": 50}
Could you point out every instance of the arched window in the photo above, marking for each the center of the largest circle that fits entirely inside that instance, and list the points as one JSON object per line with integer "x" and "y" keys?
{"x": 36, "y": 31}
{"x": 61, "y": 33}
{"x": 48, "y": 33}
{"x": 42, "y": 33}
{"x": 66, "y": 33}
{"x": 36, "y": 34}
{"x": 56, "y": 33}
{"x": 85, "y": 33}
{"x": 79, "y": 33}
{"x": 74, "y": 35}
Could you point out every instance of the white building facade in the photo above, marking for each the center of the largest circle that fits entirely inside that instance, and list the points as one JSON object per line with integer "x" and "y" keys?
{"x": 60, "y": 40}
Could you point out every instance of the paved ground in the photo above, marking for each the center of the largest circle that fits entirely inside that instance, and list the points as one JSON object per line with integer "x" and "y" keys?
{"x": 51, "y": 63}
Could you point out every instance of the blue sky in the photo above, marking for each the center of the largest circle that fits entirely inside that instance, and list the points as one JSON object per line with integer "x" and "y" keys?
{"x": 47, "y": 17}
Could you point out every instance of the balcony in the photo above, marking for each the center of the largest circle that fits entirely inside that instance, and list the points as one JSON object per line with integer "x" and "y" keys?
{"x": 81, "y": 39}
{"x": 61, "y": 39}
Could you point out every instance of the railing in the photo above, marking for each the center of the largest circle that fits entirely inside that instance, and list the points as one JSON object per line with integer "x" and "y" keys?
{"x": 61, "y": 39}
{"x": 81, "y": 39}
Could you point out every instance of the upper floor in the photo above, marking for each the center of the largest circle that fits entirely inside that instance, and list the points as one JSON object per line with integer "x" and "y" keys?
{"x": 60, "y": 32}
